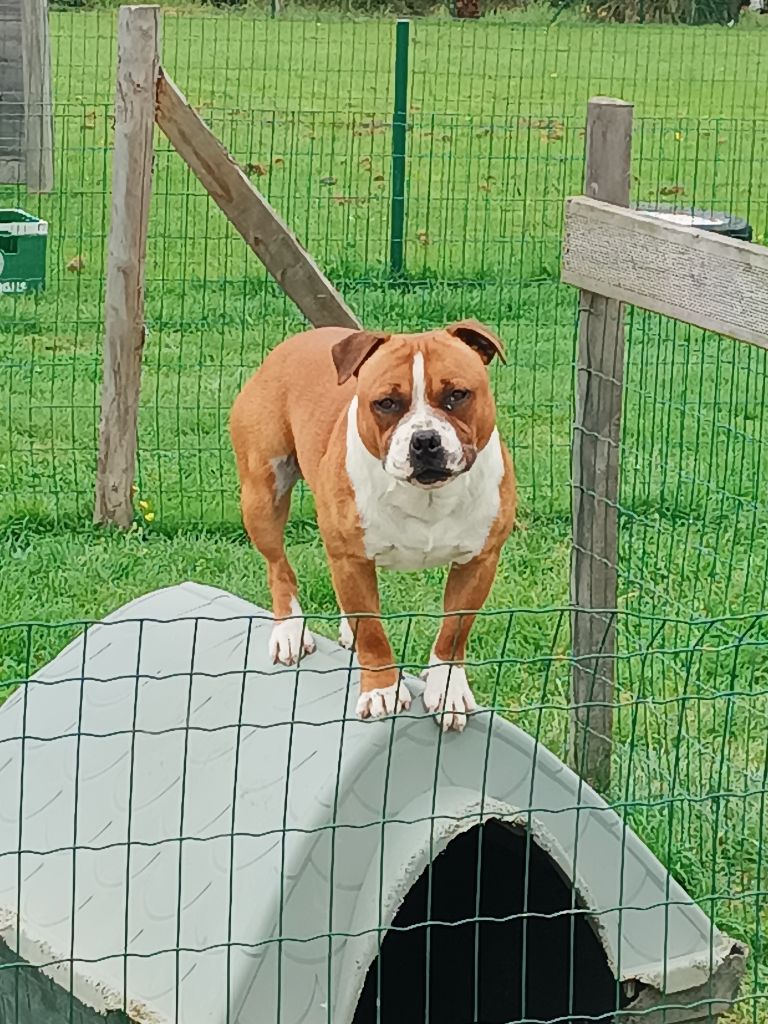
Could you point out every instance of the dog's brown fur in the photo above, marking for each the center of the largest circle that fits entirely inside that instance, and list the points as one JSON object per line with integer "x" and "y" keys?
{"x": 295, "y": 407}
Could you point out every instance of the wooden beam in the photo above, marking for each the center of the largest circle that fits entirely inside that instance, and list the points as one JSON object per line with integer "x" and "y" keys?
{"x": 249, "y": 212}
{"x": 719, "y": 284}
{"x": 595, "y": 467}
{"x": 38, "y": 103}
{"x": 11, "y": 94}
{"x": 138, "y": 63}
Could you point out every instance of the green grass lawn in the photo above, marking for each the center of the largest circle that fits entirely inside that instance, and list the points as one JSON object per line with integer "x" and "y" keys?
{"x": 495, "y": 144}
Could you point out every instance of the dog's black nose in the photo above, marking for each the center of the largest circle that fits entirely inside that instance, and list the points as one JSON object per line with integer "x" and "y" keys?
{"x": 426, "y": 446}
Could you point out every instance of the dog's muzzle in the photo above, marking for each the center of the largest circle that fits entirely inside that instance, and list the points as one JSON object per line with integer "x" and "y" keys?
{"x": 428, "y": 458}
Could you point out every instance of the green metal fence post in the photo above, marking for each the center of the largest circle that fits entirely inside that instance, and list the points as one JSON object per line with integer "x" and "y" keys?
{"x": 399, "y": 127}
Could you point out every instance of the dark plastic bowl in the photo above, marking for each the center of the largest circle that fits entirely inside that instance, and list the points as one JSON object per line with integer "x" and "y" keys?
{"x": 706, "y": 220}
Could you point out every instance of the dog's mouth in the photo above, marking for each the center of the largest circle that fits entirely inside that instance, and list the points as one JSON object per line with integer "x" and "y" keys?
{"x": 432, "y": 477}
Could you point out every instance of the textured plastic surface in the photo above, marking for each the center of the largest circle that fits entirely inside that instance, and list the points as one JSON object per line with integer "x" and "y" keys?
{"x": 164, "y": 733}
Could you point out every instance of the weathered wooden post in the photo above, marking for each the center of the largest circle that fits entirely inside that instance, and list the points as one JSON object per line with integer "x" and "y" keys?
{"x": 138, "y": 65}
{"x": 595, "y": 467}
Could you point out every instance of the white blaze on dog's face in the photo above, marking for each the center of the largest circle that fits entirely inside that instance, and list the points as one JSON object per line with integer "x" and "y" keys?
{"x": 424, "y": 407}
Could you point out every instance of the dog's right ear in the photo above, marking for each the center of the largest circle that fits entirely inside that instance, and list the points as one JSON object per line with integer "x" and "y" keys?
{"x": 350, "y": 353}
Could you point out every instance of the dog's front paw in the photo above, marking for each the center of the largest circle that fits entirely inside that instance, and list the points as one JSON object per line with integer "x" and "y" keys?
{"x": 290, "y": 641}
{"x": 385, "y": 700}
{"x": 447, "y": 695}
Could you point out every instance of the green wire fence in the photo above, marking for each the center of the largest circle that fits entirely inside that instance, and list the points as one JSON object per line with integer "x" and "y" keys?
{"x": 689, "y": 778}
{"x": 493, "y": 144}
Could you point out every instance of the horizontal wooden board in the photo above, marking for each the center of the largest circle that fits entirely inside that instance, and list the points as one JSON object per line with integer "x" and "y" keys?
{"x": 713, "y": 282}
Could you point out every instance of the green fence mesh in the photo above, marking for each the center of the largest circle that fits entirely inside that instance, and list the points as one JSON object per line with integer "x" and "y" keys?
{"x": 494, "y": 145}
{"x": 689, "y": 777}
{"x": 495, "y": 133}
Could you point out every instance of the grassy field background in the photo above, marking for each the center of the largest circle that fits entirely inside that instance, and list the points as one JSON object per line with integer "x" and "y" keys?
{"x": 495, "y": 144}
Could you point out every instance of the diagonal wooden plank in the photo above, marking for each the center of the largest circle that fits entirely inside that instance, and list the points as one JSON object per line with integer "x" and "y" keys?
{"x": 261, "y": 227}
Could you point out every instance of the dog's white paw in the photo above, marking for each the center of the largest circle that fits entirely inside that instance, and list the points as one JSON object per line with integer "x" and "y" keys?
{"x": 290, "y": 639}
{"x": 447, "y": 694}
{"x": 385, "y": 700}
{"x": 346, "y": 636}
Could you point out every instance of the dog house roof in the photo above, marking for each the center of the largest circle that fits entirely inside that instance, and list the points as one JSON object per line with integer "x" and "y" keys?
{"x": 248, "y": 796}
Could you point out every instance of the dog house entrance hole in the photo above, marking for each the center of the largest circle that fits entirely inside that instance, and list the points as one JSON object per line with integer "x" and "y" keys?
{"x": 492, "y": 960}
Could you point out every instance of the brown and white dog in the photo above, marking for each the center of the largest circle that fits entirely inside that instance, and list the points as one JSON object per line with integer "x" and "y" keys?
{"x": 395, "y": 434}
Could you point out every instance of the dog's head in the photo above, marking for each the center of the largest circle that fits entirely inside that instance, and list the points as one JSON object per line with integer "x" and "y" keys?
{"x": 424, "y": 403}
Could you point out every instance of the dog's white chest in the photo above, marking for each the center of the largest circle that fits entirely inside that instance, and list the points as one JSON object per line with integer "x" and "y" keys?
{"x": 408, "y": 528}
{"x": 397, "y": 537}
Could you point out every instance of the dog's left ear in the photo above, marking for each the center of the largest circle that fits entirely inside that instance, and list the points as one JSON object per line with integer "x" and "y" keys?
{"x": 479, "y": 337}
{"x": 351, "y": 352}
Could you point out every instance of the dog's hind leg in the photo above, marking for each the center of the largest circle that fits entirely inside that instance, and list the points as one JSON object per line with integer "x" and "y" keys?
{"x": 265, "y": 498}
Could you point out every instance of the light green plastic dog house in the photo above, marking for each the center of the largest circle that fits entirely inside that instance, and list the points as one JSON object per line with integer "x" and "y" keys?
{"x": 207, "y": 838}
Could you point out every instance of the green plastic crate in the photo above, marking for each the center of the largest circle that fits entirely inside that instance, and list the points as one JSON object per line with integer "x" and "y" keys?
{"x": 23, "y": 239}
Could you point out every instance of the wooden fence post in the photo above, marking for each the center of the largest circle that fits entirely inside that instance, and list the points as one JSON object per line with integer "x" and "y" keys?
{"x": 595, "y": 467}
{"x": 138, "y": 62}
{"x": 38, "y": 102}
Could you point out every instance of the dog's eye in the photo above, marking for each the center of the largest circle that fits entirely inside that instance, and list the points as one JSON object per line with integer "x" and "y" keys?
{"x": 387, "y": 405}
{"x": 455, "y": 397}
